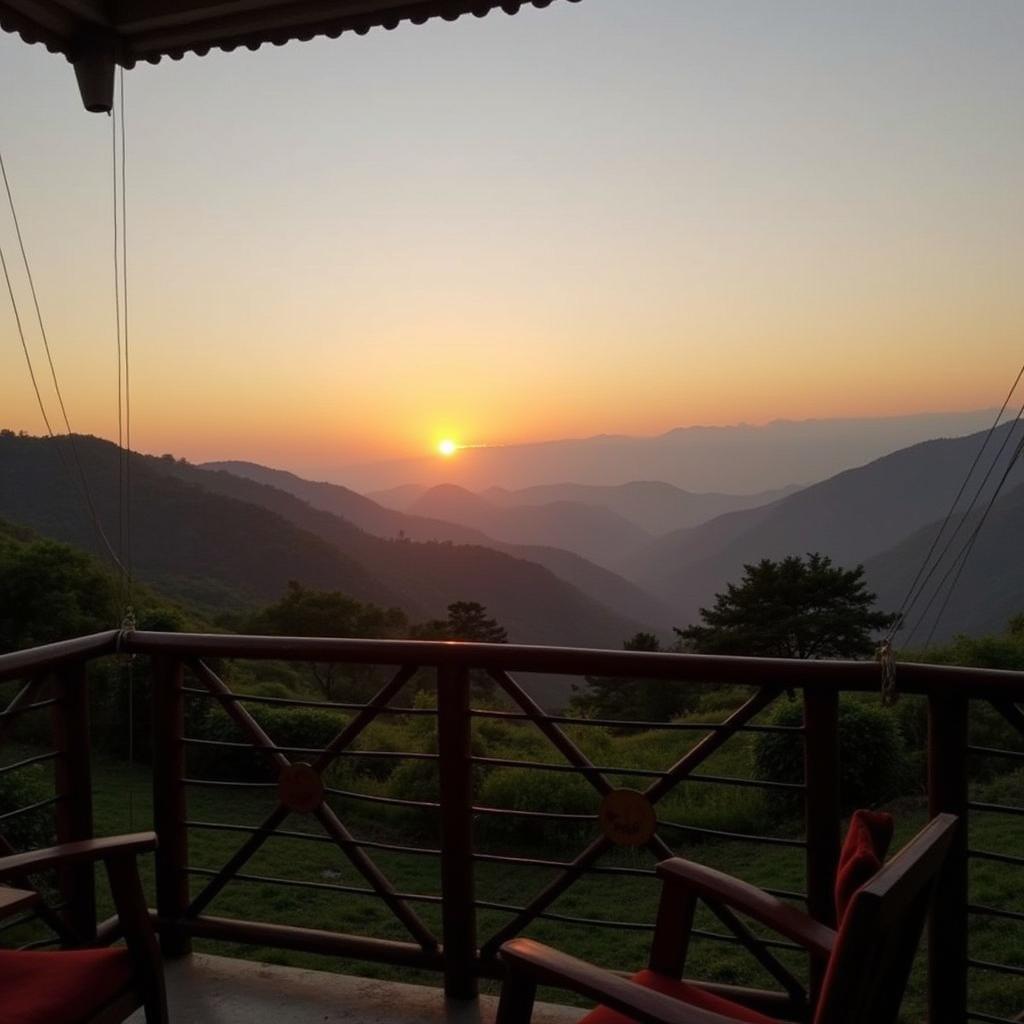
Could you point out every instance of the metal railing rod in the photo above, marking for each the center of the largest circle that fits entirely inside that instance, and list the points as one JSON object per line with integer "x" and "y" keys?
{"x": 989, "y": 1018}
{"x": 642, "y": 926}
{"x": 505, "y": 762}
{"x": 38, "y": 806}
{"x": 317, "y": 837}
{"x": 559, "y": 865}
{"x": 988, "y": 965}
{"x": 744, "y": 837}
{"x": 26, "y": 708}
{"x": 301, "y": 883}
{"x": 231, "y": 745}
{"x": 982, "y": 911}
{"x": 1001, "y": 858}
{"x": 299, "y": 702}
{"x": 391, "y": 801}
{"x": 977, "y": 805}
{"x": 228, "y": 784}
{"x": 731, "y": 780}
{"x": 611, "y": 723}
{"x": 38, "y": 759}
{"x": 1016, "y": 755}
{"x": 512, "y": 812}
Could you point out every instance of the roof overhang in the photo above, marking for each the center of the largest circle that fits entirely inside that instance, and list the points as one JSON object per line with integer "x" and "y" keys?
{"x": 96, "y": 35}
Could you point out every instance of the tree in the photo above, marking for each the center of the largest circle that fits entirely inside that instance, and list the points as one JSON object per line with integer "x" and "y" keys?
{"x": 467, "y": 621}
{"x": 637, "y": 700}
{"x": 49, "y": 591}
{"x": 303, "y": 612}
{"x": 795, "y": 608}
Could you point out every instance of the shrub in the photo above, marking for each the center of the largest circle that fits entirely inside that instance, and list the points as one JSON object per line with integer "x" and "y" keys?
{"x": 21, "y": 788}
{"x": 872, "y": 766}
{"x": 526, "y": 789}
{"x": 286, "y": 727}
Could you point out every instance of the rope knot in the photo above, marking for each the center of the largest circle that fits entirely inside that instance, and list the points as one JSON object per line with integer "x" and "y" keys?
{"x": 127, "y": 628}
{"x": 885, "y": 655}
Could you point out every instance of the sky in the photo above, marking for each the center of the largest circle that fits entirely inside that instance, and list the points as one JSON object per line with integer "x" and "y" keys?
{"x": 617, "y": 216}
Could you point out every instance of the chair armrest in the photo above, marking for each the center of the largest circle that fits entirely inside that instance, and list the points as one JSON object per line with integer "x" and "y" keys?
{"x": 817, "y": 938}
{"x": 19, "y": 864}
{"x": 14, "y": 901}
{"x": 548, "y": 966}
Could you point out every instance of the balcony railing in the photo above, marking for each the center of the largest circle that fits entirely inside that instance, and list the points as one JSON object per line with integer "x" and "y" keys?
{"x": 190, "y": 669}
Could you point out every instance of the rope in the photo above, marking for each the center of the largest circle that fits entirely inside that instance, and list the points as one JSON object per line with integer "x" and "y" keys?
{"x": 127, "y": 365}
{"x": 124, "y": 420}
{"x": 911, "y": 596}
{"x": 965, "y": 552}
{"x": 886, "y": 658}
{"x": 80, "y": 483}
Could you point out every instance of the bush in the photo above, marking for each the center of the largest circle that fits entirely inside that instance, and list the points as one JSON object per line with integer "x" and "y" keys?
{"x": 872, "y": 765}
{"x": 21, "y": 788}
{"x": 286, "y": 727}
{"x": 527, "y": 789}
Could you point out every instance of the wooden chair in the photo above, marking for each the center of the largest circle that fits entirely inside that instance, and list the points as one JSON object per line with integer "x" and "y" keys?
{"x": 84, "y": 986}
{"x": 865, "y": 964}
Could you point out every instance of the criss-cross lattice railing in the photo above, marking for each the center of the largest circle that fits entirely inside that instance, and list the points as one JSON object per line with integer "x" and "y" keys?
{"x": 186, "y": 668}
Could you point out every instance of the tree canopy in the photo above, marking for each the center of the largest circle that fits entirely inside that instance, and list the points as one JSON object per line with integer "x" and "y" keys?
{"x": 793, "y": 608}
{"x": 467, "y": 621}
{"x": 637, "y": 700}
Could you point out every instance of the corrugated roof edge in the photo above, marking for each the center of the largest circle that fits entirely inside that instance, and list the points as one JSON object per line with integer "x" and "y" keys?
{"x": 133, "y": 50}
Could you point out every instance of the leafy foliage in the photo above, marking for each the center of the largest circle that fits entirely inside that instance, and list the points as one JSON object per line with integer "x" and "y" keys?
{"x": 639, "y": 700}
{"x": 468, "y": 622}
{"x": 871, "y": 761}
{"x": 308, "y": 612}
{"x": 50, "y": 592}
{"x": 22, "y": 788}
{"x": 796, "y": 608}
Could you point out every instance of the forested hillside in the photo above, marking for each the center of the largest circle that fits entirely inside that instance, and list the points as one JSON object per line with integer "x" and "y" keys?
{"x": 219, "y": 540}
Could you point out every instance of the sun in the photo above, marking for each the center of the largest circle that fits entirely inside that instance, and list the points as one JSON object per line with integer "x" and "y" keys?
{"x": 447, "y": 448}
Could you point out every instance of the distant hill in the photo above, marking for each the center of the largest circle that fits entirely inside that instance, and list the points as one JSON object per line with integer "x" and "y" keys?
{"x": 733, "y": 459}
{"x": 208, "y": 549}
{"x": 852, "y": 516}
{"x": 196, "y": 531}
{"x": 621, "y": 596}
{"x": 990, "y": 590}
{"x": 654, "y": 506}
{"x": 592, "y": 531}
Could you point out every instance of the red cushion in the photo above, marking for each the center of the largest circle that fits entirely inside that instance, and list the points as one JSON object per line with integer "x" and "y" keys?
{"x": 44, "y": 988}
{"x": 684, "y": 992}
{"x": 864, "y": 848}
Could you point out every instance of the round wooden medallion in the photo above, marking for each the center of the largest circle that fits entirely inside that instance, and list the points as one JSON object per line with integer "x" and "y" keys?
{"x": 627, "y": 817}
{"x": 300, "y": 788}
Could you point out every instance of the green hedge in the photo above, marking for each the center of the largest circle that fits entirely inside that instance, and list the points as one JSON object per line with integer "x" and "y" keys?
{"x": 872, "y": 759}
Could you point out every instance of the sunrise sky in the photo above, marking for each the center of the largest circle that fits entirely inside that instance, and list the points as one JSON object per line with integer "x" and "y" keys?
{"x": 613, "y": 216}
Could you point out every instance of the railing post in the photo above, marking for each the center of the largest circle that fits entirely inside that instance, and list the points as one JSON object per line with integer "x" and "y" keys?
{"x": 947, "y": 792}
{"x": 73, "y": 779}
{"x": 821, "y": 806}
{"x": 169, "y": 808}
{"x": 458, "y": 912}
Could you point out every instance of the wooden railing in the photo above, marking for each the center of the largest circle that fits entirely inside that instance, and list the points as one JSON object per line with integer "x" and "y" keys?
{"x": 186, "y": 668}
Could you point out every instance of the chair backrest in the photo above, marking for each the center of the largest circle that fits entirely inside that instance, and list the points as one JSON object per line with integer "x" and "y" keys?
{"x": 879, "y": 934}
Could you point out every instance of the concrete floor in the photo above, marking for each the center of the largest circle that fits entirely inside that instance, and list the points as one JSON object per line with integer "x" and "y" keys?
{"x": 219, "y": 990}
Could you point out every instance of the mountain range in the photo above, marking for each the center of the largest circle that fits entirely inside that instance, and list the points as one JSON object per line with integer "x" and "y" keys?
{"x": 231, "y": 536}
{"x": 732, "y": 459}
{"x": 221, "y": 540}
